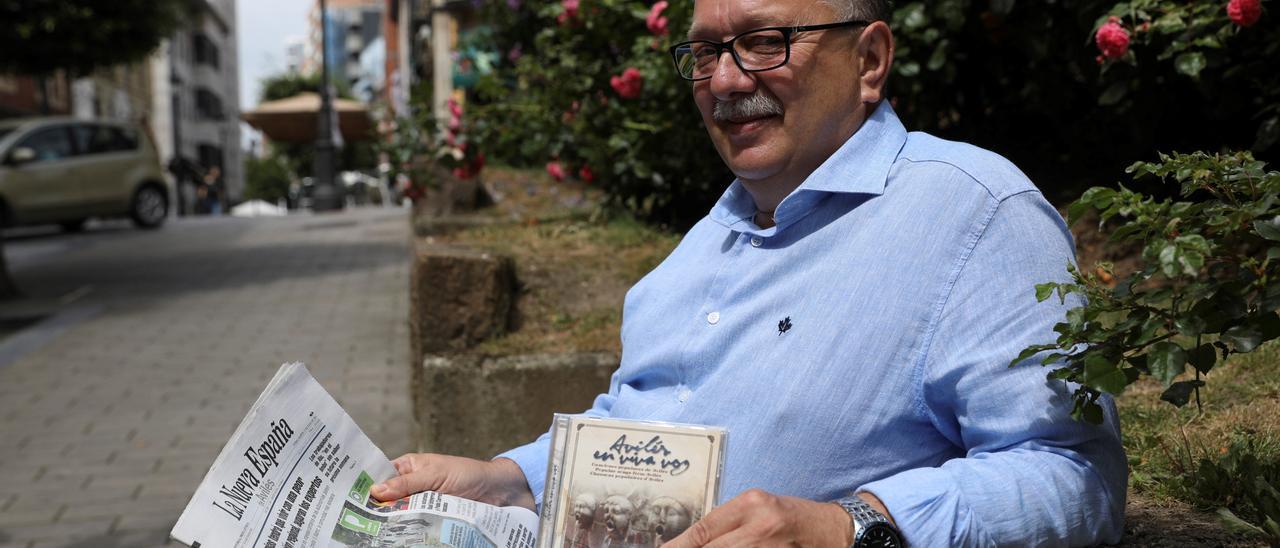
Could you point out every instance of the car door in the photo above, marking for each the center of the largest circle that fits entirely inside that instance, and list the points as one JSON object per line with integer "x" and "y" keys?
{"x": 108, "y": 155}
{"x": 43, "y": 189}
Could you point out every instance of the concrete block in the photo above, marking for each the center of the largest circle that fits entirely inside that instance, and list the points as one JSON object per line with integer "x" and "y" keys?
{"x": 458, "y": 296}
{"x": 478, "y": 407}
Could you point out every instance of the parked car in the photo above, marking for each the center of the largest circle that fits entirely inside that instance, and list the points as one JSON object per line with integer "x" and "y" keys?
{"x": 62, "y": 170}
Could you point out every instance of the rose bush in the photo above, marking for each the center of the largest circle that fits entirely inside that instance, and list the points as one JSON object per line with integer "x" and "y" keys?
{"x": 595, "y": 93}
{"x": 591, "y": 82}
{"x": 1207, "y": 282}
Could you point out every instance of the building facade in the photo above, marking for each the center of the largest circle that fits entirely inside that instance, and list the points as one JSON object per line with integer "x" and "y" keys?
{"x": 196, "y": 100}
{"x": 354, "y": 29}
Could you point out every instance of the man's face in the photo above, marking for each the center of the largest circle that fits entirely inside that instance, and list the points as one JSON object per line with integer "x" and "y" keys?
{"x": 817, "y": 90}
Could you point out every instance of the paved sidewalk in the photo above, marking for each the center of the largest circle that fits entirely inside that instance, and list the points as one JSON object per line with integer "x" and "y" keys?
{"x": 112, "y": 410}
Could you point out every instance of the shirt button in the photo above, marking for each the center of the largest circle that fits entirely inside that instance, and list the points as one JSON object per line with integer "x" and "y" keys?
{"x": 713, "y": 318}
{"x": 756, "y": 241}
{"x": 683, "y": 394}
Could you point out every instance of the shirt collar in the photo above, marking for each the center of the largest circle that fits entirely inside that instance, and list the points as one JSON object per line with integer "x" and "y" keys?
{"x": 860, "y": 166}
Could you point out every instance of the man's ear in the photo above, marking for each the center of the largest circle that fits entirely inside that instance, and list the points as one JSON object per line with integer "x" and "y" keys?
{"x": 875, "y": 54}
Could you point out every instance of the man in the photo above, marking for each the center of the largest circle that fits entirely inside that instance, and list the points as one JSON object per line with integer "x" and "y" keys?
{"x": 847, "y": 311}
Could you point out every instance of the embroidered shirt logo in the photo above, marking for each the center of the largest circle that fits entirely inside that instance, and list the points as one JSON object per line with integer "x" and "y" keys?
{"x": 784, "y": 326}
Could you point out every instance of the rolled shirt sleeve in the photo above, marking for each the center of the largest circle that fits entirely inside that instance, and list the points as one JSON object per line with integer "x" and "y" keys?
{"x": 1030, "y": 475}
{"x": 532, "y": 457}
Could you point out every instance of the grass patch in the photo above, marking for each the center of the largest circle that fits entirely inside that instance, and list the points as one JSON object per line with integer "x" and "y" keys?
{"x": 1240, "y": 404}
{"x": 574, "y": 262}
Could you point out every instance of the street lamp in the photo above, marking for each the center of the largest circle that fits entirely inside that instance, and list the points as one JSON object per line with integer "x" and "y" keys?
{"x": 326, "y": 196}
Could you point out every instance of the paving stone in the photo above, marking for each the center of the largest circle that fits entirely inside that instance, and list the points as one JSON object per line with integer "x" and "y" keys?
{"x": 130, "y": 406}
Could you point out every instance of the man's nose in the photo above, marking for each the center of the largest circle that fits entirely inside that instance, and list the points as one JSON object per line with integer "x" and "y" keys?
{"x": 729, "y": 79}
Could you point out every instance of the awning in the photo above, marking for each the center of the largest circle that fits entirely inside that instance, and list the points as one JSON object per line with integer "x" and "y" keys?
{"x": 293, "y": 119}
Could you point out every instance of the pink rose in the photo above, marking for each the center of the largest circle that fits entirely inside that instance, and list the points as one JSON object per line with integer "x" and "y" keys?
{"x": 1112, "y": 39}
{"x": 628, "y": 84}
{"x": 1244, "y": 12}
{"x": 656, "y": 23}
{"x": 454, "y": 108}
{"x": 570, "y": 11}
{"x": 555, "y": 170}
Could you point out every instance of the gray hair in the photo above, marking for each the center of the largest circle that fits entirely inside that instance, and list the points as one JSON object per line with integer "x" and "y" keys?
{"x": 864, "y": 10}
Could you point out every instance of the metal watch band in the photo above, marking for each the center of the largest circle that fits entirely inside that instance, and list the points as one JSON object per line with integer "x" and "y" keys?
{"x": 862, "y": 515}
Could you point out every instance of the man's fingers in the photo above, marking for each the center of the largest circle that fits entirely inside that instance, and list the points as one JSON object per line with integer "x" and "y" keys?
{"x": 413, "y": 478}
{"x": 401, "y": 486}
{"x": 715, "y": 524}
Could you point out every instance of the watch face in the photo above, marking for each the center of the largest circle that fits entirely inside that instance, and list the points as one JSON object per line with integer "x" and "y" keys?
{"x": 880, "y": 536}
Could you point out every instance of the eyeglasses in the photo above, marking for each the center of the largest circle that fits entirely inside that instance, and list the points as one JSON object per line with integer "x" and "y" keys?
{"x": 754, "y": 51}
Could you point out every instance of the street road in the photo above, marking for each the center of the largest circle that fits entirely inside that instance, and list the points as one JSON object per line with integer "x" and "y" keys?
{"x": 154, "y": 343}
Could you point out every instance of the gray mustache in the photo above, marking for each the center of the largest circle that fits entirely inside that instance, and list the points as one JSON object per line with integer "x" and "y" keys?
{"x": 752, "y": 106}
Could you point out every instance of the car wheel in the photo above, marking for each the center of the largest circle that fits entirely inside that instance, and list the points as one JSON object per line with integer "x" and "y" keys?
{"x": 149, "y": 208}
{"x": 75, "y": 225}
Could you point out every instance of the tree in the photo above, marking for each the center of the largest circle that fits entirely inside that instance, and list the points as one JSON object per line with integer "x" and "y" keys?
{"x": 266, "y": 178}
{"x": 79, "y": 36}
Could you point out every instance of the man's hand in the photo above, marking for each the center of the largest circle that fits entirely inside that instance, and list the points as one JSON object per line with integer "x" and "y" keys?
{"x": 757, "y": 518}
{"x": 499, "y": 482}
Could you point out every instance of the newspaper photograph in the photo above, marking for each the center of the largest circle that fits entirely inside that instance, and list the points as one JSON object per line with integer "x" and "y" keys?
{"x": 297, "y": 472}
{"x": 615, "y": 482}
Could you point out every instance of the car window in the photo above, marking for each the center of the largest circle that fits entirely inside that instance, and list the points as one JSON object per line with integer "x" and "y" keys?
{"x": 124, "y": 138}
{"x": 96, "y": 139}
{"x": 49, "y": 144}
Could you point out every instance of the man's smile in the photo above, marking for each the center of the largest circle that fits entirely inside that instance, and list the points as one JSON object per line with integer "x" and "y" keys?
{"x": 748, "y": 125}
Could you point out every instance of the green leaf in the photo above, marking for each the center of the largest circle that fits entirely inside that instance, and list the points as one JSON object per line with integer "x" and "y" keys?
{"x": 1092, "y": 413}
{"x": 1166, "y": 361}
{"x": 1235, "y": 524}
{"x": 1076, "y": 210}
{"x": 1114, "y": 93}
{"x": 1190, "y": 325}
{"x": 1202, "y": 357}
{"x": 1268, "y": 229}
{"x": 1102, "y": 374}
{"x": 1100, "y": 197}
{"x": 1243, "y": 338}
{"x": 1030, "y": 351}
{"x": 1190, "y": 63}
{"x": 1045, "y": 290}
{"x": 1180, "y": 392}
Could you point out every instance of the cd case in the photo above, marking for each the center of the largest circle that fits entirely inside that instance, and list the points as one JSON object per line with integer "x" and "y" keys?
{"x": 615, "y": 482}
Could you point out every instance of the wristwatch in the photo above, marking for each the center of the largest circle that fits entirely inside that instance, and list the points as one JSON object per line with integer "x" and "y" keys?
{"x": 870, "y": 528}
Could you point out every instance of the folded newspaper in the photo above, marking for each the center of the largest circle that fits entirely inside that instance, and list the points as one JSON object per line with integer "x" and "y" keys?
{"x": 297, "y": 472}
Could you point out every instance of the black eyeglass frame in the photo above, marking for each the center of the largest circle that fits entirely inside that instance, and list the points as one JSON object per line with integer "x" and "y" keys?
{"x": 787, "y": 32}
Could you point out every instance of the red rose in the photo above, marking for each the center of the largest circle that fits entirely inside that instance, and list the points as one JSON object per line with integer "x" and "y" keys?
{"x": 628, "y": 85}
{"x": 570, "y": 11}
{"x": 1112, "y": 39}
{"x": 1244, "y": 12}
{"x": 656, "y": 23}
{"x": 585, "y": 174}
{"x": 554, "y": 169}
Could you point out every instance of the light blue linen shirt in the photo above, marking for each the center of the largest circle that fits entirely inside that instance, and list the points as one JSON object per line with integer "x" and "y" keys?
{"x": 906, "y": 266}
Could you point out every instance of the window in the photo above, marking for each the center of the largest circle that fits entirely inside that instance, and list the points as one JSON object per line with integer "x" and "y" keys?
{"x": 50, "y": 144}
{"x": 206, "y": 52}
{"x": 96, "y": 139}
{"x": 208, "y": 105}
